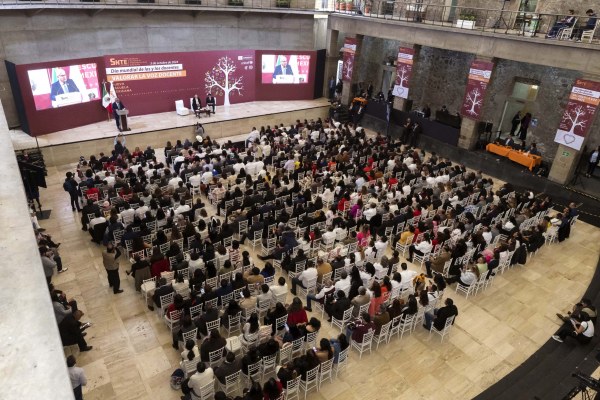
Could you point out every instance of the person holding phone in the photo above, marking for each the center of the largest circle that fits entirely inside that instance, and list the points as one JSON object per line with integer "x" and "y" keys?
{"x": 582, "y": 330}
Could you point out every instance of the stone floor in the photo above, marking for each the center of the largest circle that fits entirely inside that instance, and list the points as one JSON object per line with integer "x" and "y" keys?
{"x": 495, "y": 331}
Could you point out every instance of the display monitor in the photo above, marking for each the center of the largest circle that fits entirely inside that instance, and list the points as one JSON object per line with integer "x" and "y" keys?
{"x": 285, "y": 68}
{"x": 63, "y": 86}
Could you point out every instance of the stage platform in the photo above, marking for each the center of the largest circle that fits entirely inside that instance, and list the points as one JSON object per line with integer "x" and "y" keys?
{"x": 66, "y": 146}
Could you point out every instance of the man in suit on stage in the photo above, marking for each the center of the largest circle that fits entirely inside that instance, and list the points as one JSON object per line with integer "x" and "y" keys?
{"x": 62, "y": 85}
{"x": 283, "y": 68}
{"x": 117, "y": 105}
{"x": 196, "y": 104}
{"x": 211, "y": 102}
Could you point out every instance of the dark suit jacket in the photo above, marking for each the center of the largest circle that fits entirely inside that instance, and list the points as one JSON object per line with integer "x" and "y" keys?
{"x": 443, "y": 314}
{"x": 117, "y": 106}
{"x": 196, "y": 104}
{"x": 279, "y": 70}
{"x": 57, "y": 88}
{"x": 210, "y": 101}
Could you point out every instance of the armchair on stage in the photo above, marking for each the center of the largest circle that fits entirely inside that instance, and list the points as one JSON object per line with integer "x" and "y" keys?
{"x": 181, "y": 109}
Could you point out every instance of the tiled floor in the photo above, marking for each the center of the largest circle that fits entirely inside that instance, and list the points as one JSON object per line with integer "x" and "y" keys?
{"x": 495, "y": 331}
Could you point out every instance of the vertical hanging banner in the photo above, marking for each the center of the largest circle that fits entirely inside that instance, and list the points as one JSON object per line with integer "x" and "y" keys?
{"x": 404, "y": 67}
{"x": 348, "y": 66}
{"x": 479, "y": 77}
{"x": 579, "y": 114}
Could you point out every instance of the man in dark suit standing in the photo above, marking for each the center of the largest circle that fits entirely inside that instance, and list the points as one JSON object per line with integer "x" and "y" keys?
{"x": 62, "y": 85}
{"x": 211, "y": 102}
{"x": 117, "y": 105}
{"x": 283, "y": 68}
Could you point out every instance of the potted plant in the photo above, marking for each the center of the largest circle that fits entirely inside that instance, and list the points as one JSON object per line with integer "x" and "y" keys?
{"x": 282, "y": 3}
{"x": 466, "y": 20}
{"x": 338, "y": 5}
{"x": 368, "y": 6}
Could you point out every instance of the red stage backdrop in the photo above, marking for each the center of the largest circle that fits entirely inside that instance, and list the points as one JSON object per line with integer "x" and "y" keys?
{"x": 479, "y": 77}
{"x": 151, "y": 83}
{"x": 348, "y": 65}
{"x": 579, "y": 114}
{"x": 61, "y": 95}
{"x": 404, "y": 68}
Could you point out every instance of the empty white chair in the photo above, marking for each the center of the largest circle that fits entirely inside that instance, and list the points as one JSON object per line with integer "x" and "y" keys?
{"x": 180, "y": 108}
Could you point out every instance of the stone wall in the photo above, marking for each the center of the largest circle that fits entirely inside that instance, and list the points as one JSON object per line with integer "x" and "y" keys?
{"x": 554, "y": 87}
{"x": 64, "y": 34}
{"x": 561, "y": 7}
{"x": 440, "y": 78}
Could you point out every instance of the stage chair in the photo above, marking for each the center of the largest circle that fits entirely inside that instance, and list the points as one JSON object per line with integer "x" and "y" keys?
{"x": 180, "y": 108}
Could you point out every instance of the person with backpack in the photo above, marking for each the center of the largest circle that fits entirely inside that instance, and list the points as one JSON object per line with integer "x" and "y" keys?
{"x": 70, "y": 185}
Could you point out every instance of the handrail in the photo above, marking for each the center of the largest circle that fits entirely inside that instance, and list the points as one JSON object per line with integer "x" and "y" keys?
{"x": 509, "y": 22}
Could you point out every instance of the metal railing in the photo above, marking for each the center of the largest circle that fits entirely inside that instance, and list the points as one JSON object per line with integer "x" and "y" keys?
{"x": 283, "y": 5}
{"x": 508, "y": 22}
{"x": 527, "y": 24}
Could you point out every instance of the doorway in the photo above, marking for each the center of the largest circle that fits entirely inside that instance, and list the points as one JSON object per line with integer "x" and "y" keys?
{"x": 386, "y": 82}
{"x": 522, "y": 98}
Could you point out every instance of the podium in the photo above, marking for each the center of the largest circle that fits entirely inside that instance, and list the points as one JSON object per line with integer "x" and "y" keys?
{"x": 123, "y": 115}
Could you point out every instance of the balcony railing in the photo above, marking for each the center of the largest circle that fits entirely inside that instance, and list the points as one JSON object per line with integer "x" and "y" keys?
{"x": 498, "y": 21}
{"x": 283, "y": 5}
{"x": 527, "y": 24}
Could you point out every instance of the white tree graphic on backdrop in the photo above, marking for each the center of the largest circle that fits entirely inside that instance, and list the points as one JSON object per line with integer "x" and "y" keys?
{"x": 403, "y": 76}
{"x": 222, "y": 81}
{"x": 574, "y": 118}
{"x": 474, "y": 99}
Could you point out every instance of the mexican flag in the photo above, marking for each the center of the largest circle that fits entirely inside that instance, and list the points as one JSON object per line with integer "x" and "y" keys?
{"x": 107, "y": 97}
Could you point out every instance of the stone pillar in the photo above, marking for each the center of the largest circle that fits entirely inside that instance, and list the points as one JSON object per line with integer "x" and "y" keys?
{"x": 566, "y": 159}
{"x": 332, "y": 58}
{"x": 347, "y": 90}
{"x": 399, "y": 102}
{"x": 468, "y": 134}
{"x": 468, "y": 129}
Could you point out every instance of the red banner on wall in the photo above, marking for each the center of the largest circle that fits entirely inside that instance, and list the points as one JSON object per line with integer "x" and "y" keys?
{"x": 479, "y": 77}
{"x": 579, "y": 114}
{"x": 404, "y": 67}
{"x": 348, "y": 65}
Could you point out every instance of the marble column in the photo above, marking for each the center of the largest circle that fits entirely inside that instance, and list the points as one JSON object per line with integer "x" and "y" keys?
{"x": 468, "y": 128}
{"x": 566, "y": 159}
{"x": 347, "y": 94}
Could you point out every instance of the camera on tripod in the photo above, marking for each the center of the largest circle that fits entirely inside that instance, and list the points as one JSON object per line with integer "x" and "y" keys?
{"x": 586, "y": 383}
